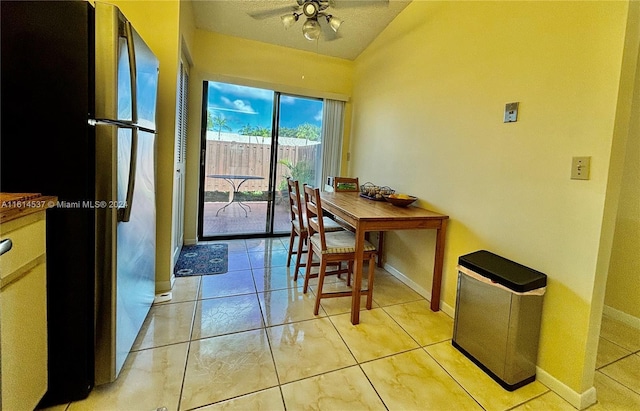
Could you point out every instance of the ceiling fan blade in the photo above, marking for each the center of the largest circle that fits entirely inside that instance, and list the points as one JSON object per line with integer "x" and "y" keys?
{"x": 265, "y": 14}
{"x": 343, "y": 4}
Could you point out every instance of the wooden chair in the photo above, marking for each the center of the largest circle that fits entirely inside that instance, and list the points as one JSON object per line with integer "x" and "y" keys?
{"x": 345, "y": 184}
{"x": 332, "y": 247}
{"x": 350, "y": 184}
{"x": 299, "y": 225}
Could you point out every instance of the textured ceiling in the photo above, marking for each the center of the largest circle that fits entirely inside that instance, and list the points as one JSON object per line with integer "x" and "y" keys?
{"x": 260, "y": 20}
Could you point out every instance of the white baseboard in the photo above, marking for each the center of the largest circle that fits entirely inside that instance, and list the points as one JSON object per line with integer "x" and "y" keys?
{"x": 163, "y": 297}
{"x": 621, "y": 316}
{"x": 446, "y": 308}
{"x": 190, "y": 241}
{"x": 578, "y": 400}
{"x": 166, "y": 286}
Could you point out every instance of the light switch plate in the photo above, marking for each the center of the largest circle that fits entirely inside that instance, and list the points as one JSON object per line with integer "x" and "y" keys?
{"x": 580, "y": 168}
{"x": 511, "y": 112}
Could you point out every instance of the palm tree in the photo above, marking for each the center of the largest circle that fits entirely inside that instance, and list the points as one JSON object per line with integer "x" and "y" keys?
{"x": 308, "y": 132}
{"x": 246, "y": 130}
{"x": 301, "y": 171}
{"x": 218, "y": 122}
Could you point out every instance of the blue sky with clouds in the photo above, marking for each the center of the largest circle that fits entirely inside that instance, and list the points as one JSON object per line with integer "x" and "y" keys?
{"x": 241, "y": 105}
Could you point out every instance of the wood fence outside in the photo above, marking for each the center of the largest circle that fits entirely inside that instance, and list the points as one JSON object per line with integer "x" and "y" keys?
{"x": 251, "y": 159}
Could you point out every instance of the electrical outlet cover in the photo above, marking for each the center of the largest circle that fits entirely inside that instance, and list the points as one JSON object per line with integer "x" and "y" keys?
{"x": 511, "y": 112}
{"x": 580, "y": 168}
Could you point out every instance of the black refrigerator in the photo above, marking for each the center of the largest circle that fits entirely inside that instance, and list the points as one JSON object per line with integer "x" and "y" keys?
{"x": 79, "y": 89}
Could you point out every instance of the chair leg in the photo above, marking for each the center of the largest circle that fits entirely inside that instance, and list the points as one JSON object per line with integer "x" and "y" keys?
{"x": 372, "y": 269}
{"x": 298, "y": 257}
{"x": 323, "y": 268}
{"x": 291, "y": 239}
{"x": 307, "y": 273}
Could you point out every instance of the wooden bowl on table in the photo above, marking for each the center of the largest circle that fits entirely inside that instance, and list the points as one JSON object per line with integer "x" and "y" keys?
{"x": 400, "y": 200}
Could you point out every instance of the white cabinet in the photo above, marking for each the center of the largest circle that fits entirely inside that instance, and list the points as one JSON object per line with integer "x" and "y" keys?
{"x": 23, "y": 309}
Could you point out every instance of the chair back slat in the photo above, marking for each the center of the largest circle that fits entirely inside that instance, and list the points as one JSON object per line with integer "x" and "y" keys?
{"x": 313, "y": 206}
{"x": 295, "y": 203}
{"x": 348, "y": 184}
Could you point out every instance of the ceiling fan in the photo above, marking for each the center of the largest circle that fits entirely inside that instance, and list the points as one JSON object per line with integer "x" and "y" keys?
{"x": 313, "y": 10}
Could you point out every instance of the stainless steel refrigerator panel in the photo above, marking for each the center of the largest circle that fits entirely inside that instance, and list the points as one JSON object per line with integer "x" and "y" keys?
{"x": 136, "y": 246}
{"x": 125, "y": 140}
{"x": 123, "y": 58}
{"x": 106, "y": 252}
{"x": 126, "y": 78}
{"x": 147, "y": 82}
{"x": 125, "y": 252}
{"x": 115, "y": 66}
{"x": 107, "y": 51}
{"x": 125, "y": 98}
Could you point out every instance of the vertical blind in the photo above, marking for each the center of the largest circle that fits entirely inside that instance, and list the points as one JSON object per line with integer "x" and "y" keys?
{"x": 181, "y": 145}
{"x": 332, "y": 130}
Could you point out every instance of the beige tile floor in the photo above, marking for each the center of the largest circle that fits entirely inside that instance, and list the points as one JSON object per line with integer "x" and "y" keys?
{"x": 248, "y": 340}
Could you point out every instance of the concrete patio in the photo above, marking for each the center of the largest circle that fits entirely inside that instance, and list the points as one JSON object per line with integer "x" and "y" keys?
{"x": 232, "y": 220}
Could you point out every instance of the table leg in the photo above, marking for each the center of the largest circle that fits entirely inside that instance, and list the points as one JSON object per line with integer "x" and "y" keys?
{"x": 243, "y": 205}
{"x": 232, "y": 196}
{"x": 437, "y": 266}
{"x": 240, "y": 203}
{"x": 224, "y": 207}
{"x": 357, "y": 277}
{"x": 380, "y": 246}
{"x": 234, "y": 191}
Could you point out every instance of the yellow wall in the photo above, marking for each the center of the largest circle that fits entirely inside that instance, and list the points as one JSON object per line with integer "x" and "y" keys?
{"x": 157, "y": 22}
{"x": 623, "y": 283}
{"x": 231, "y": 59}
{"x": 187, "y": 26}
{"x": 428, "y": 103}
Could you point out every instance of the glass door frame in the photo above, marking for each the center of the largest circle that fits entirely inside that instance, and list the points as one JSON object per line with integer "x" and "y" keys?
{"x": 268, "y": 232}
{"x": 272, "y": 178}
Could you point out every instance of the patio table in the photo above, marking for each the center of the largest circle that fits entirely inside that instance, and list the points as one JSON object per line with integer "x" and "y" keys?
{"x": 367, "y": 215}
{"x": 235, "y": 181}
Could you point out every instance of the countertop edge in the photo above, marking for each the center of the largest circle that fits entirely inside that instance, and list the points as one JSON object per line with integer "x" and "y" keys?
{"x": 13, "y": 209}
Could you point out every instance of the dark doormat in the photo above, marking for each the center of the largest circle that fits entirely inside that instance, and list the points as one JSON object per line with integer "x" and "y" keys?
{"x": 202, "y": 260}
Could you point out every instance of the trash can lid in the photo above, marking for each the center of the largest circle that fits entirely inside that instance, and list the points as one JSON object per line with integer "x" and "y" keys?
{"x": 512, "y": 275}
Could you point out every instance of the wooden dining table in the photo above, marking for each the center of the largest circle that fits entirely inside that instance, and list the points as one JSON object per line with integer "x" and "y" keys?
{"x": 366, "y": 215}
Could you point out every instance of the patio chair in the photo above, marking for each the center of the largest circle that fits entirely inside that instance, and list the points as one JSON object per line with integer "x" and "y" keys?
{"x": 332, "y": 247}
{"x": 299, "y": 225}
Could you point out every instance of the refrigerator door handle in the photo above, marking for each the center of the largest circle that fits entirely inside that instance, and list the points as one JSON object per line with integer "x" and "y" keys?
{"x": 124, "y": 212}
{"x": 132, "y": 72}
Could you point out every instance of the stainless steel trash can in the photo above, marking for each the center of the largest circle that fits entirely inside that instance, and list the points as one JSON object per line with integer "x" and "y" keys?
{"x": 498, "y": 312}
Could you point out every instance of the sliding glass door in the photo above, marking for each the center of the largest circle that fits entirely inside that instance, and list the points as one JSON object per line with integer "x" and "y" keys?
{"x": 252, "y": 140}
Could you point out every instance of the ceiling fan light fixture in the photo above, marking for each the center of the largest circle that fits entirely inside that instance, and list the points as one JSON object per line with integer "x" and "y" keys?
{"x": 310, "y": 9}
{"x": 311, "y": 29}
{"x": 289, "y": 19}
{"x": 334, "y": 22}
